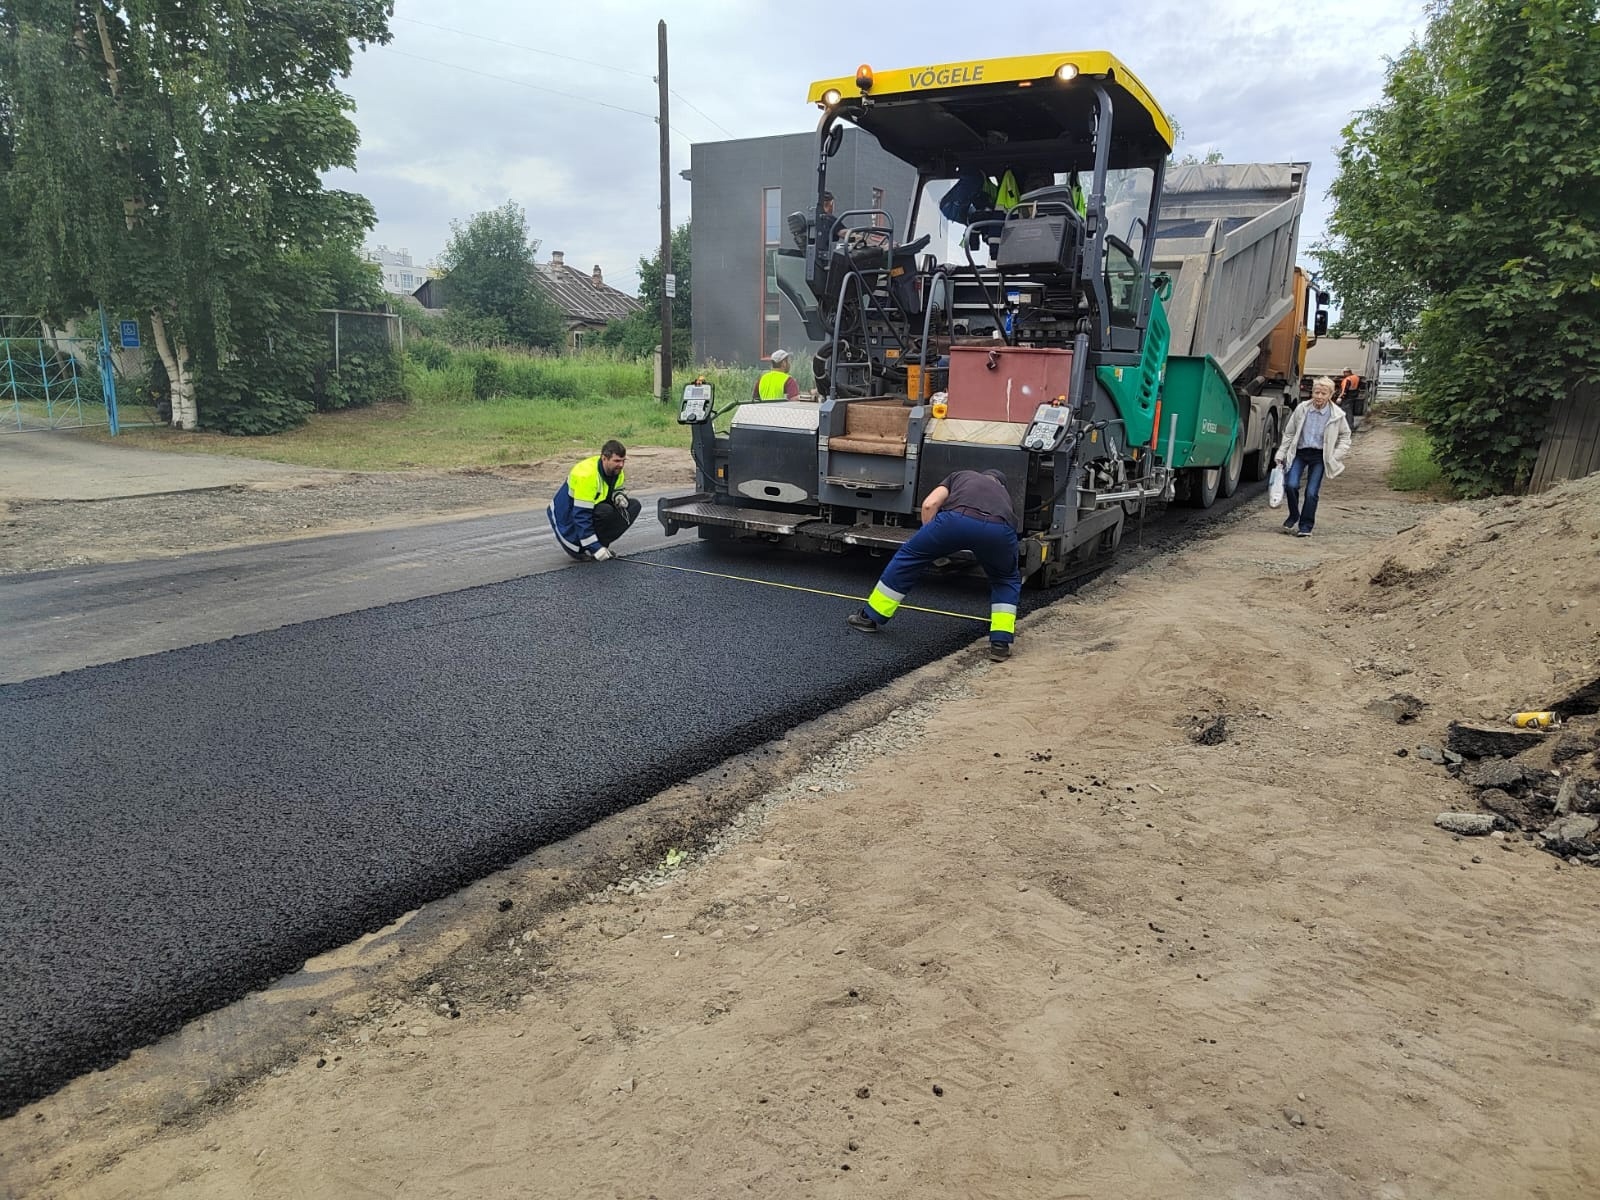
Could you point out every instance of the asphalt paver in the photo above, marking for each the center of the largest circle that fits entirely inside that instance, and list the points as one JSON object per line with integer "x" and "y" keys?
{"x": 182, "y": 828}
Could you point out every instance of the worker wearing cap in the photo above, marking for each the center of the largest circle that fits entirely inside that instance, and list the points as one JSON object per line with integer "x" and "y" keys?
{"x": 591, "y": 510}
{"x": 777, "y": 384}
{"x": 970, "y": 511}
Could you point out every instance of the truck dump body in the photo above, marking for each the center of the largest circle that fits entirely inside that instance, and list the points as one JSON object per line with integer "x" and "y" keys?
{"x": 1227, "y": 236}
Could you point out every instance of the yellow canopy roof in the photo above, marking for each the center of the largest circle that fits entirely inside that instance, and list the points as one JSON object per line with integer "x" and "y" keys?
{"x": 927, "y": 112}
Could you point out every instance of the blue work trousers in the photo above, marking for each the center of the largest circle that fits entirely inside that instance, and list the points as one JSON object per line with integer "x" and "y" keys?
{"x": 992, "y": 543}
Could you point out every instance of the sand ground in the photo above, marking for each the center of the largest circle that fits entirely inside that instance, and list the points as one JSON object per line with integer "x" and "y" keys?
{"x": 1028, "y": 938}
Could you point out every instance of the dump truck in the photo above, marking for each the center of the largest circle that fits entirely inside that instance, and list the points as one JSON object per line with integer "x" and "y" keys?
{"x": 1227, "y": 239}
{"x": 1059, "y": 303}
{"x": 1334, "y": 356}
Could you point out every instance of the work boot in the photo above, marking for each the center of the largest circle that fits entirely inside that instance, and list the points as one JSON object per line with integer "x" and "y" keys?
{"x": 999, "y": 651}
{"x": 862, "y": 622}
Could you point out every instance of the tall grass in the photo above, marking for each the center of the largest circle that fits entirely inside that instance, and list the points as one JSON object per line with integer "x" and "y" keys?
{"x": 1415, "y": 469}
{"x": 440, "y": 374}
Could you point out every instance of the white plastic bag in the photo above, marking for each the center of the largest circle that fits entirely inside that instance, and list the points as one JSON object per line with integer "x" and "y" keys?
{"x": 1275, "y": 488}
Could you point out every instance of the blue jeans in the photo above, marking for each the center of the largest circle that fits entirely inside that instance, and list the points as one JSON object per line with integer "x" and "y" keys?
{"x": 992, "y": 543}
{"x": 1307, "y": 464}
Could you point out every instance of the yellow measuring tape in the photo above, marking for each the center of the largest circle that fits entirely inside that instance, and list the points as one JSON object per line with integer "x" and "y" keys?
{"x": 794, "y": 587}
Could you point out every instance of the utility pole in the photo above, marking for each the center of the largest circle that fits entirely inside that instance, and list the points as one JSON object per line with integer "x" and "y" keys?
{"x": 668, "y": 281}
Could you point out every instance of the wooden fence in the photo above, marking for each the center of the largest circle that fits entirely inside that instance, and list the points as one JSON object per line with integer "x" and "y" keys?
{"x": 1571, "y": 446}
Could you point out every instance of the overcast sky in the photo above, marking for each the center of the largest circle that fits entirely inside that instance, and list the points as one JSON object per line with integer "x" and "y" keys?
{"x": 464, "y": 110}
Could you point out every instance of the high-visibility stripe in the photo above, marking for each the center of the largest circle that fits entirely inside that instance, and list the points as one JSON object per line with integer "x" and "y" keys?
{"x": 556, "y": 529}
{"x": 1002, "y": 618}
{"x": 576, "y": 503}
{"x": 591, "y": 540}
{"x": 884, "y": 601}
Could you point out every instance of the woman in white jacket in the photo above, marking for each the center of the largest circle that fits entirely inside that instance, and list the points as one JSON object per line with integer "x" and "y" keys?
{"x": 1315, "y": 442}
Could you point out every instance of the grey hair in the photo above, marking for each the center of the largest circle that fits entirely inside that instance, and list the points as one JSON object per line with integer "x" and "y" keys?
{"x": 1322, "y": 381}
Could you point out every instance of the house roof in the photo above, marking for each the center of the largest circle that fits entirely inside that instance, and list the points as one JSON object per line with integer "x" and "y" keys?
{"x": 579, "y": 298}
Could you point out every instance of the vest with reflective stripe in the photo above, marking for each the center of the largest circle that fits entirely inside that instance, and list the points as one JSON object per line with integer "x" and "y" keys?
{"x": 572, "y": 510}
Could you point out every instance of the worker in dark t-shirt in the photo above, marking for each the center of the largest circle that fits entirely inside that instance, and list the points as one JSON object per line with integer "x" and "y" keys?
{"x": 971, "y": 511}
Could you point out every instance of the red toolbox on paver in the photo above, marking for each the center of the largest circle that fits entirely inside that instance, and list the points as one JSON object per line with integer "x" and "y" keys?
{"x": 1005, "y": 383}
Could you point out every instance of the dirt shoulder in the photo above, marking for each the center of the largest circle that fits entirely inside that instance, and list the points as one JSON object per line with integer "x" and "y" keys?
{"x": 43, "y": 533}
{"x": 1028, "y": 937}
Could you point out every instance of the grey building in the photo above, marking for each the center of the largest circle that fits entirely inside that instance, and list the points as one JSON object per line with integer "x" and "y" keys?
{"x": 741, "y": 195}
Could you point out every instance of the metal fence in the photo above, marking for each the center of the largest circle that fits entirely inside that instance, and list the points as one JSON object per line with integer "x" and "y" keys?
{"x": 363, "y": 363}
{"x": 53, "y": 380}
{"x": 365, "y": 333}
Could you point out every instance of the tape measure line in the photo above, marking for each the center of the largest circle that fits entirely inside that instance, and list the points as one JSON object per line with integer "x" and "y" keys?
{"x": 794, "y": 587}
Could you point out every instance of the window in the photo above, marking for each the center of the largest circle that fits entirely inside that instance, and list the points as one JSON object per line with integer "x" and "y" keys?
{"x": 772, "y": 207}
{"x": 771, "y": 239}
{"x": 1128, "y": 193}
{"x": 877, "y": 203}
{"x": 1122, "y": 286}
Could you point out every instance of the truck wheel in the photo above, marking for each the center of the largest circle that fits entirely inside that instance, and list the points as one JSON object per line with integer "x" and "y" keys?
{"x": 1233, "y": 468}
{"x": 1203, "y": 485}
{"x": 1261, "y": 461}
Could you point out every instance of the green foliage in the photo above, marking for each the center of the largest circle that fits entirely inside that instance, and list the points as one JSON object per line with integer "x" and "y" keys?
{"x": 428, "y": 352}
{"x": 638, "y": 335}
{"x": 1416, "y": 466}
{"x": 493, "y": 284}
{"x": 438, "y": 373}
{"x": 173, "y": 166}
{"x": 283, "y": 367}
{"x": 1466, "y": 216}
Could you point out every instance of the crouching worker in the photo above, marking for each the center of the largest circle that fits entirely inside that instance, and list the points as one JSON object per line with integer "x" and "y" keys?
{"x": 591, "y": 511}
{"x": 970, "y": 510}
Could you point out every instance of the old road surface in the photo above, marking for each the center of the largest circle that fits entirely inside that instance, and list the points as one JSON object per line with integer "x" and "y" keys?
{"x": 184, "y": 827}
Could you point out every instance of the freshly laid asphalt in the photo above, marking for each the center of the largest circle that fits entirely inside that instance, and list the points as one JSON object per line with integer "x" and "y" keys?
{"x": 179, "y": 829}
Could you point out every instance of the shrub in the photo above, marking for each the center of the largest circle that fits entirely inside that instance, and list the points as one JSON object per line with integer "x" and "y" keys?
{"x": 429, "y": 352}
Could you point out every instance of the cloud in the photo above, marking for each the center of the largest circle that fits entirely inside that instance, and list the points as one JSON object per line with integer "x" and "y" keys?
{"x": 552, "y": 105}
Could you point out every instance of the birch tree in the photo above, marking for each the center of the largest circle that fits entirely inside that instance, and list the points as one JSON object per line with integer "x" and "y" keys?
{"x": 165, "y": 157}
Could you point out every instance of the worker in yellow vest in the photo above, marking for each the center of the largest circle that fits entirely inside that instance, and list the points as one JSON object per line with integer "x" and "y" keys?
{"x": 777, "y": 384}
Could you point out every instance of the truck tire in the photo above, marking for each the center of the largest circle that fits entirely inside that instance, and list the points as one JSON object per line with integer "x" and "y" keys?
{"x": 1260, "y": 464}
{"x": 1204, "y": 483}
{"x": 1233, "y": 469}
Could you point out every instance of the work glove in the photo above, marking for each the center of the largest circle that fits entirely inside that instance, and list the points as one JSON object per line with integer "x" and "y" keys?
{"x": 603, "y": 555}
{"x": 620, "y": 500}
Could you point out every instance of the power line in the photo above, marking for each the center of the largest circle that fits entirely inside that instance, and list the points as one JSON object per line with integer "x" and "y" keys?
{"x": 482, "y": 37}
{"x": 692, "y": 105}
{"x": 522, "y": 84}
